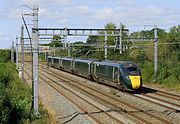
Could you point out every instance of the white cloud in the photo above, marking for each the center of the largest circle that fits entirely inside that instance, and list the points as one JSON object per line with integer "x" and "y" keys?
{"x": 63, "y": 21}
{"x": 125, "y": 2}
{"x": 15, "y": 14}
{"x": 48, "y": 14}
{"x": 104, "y": 13}
{"x": 83, "y": 9}
{"x": 134, "y": 14}
{"x": 1, "y": 34}
{"x": 65, "y": 14}
{"x": 92, "y": 13}
{"x": 126, "y": 11}
{"x": 4, "y": 37}
{"x": 47, "y": 2}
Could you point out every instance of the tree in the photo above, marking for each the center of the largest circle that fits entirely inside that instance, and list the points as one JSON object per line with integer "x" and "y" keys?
{"x": 110, "y": 25}
{"x": 80, "y": 49}
{"x": 56, "y": 42}
{"x": 175, "y": 33}
{"x": 110, "y": 39}
{"x": 5, "y": 55}
{"x": 92, "y": 39}
{"x": 135, "y": 35}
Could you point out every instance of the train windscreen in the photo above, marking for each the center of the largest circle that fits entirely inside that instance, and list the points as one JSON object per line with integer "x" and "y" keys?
{"x": 132, "y": 69}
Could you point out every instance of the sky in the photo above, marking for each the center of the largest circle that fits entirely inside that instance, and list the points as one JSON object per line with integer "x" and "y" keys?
{"x": 135, "y": 14}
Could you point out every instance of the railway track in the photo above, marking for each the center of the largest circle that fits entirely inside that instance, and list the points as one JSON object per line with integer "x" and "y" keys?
{"x": 94, "y": 109}
{"x": 120, "y": 109}
{"x": 117, "y": 101}
{"x": 160, "y": 101}
{"x": 162, "y": 98}
{"x": 161, "y": 93}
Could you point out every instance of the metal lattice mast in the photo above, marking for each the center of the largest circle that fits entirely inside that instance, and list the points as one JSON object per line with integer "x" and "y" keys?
{"x": 105, "y": 46}
{"x": 54, "y": 51}
{"x": 69, "y": 49}
{"x": 155, "y": 52}
{"x": 65, "y": 37}
{"x": 17, "y": 53}
{"x": 12, "y": 52}
{"x": 35, "y": 43}
{"x": 22, "y": 53}
{"x": 120, "y": 39}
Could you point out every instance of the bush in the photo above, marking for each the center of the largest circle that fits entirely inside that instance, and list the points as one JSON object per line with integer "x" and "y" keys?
{"x": 15, "y": 98}
{"x": 6, "y": 74}
{"x": 175, "y": 71}
{"x": 5, "y": 78}
{"x": 4, "y": 102}
{"x": 5, "y": 55}
{"x": 147, "y": 71}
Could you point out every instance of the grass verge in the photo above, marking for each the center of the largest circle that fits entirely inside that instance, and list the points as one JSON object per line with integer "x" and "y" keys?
{"x": 15, "y": 99}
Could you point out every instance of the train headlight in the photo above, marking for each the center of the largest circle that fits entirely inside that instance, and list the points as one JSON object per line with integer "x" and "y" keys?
{"x": 127, "y": 77}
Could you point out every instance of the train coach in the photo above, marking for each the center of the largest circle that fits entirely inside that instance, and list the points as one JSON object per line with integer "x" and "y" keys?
{"x": 121, "y": 74}
{"x": 83, "y": 67}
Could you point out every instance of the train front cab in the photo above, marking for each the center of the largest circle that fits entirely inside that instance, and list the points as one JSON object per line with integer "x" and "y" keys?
{"x": 132, "y": 76}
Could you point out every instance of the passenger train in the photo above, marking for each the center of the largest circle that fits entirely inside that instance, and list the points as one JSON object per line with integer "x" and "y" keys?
{"x": 123, "y": 75}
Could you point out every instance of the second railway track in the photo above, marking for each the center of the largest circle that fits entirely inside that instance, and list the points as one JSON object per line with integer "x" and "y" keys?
{"x": 162, "y": 93}
{"x": 100, "y": 115}
{"x": 114, "y": 103}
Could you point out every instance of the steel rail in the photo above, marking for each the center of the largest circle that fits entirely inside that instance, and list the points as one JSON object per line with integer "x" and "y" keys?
{"x": 110, "y": 97}
{"x": 119, "y": 122}
{"x": 174, "y": 104}
{"x": 59, "y": 91}
{"x": 163, "y": 93}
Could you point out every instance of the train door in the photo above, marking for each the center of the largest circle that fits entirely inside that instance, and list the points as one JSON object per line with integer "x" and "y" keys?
{"x": 116, "y": 74}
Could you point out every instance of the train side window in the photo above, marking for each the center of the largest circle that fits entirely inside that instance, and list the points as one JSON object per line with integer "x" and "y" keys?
{"x": 116, "y": 72}
{"x": 49, "y": 59}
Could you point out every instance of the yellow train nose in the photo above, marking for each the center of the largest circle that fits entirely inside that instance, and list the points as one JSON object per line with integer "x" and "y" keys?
{"x": 135, "y": 81}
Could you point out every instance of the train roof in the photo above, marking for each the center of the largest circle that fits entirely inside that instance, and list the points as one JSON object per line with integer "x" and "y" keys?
{"x": 65, "y": 58}
{"x": 49, "y": 56}
{"x": 101, "y": 62}
{"x": 83, "y": 60}
{"x": 54, "y": 57}
{"x": 106, "y": 63}
{"x": 120, "y": 62}
{"x": 113, "y": 63}
{"x": 125, "y": 62}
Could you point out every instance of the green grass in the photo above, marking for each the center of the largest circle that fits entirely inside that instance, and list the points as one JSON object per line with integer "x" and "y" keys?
{"x": 15, "y": 99}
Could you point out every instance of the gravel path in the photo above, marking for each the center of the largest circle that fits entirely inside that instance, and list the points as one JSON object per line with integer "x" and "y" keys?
{"x": 64, "y": 111}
